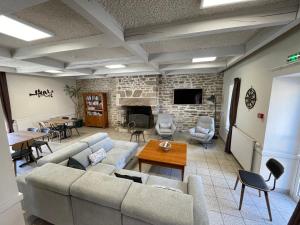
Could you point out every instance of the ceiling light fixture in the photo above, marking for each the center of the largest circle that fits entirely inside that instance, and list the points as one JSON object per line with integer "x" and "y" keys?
{"x": 213, "y": 3}
{"x": 116, "y": 66}
{"x": 20, "y": 30}
{"x": 204, "y": 59}
{"x": 53, "y": 71}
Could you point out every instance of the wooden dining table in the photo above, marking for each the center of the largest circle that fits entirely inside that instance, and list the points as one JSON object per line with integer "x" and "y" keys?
{"x": 24, "y": 137}
{"x": 60, "y": 121}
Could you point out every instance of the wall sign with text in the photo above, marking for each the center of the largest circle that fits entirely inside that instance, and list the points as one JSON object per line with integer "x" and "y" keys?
{"x": 42, "y": 93}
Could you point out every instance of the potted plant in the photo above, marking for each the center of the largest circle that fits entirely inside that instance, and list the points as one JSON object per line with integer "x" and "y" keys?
{"x": 73, "y": 92}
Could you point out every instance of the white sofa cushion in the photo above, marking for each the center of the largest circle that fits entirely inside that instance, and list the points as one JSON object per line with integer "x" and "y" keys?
{"x": 97, "y": 157}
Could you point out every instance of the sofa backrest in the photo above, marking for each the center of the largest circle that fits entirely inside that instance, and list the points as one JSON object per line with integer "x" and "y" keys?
{"x": 97, "y": 198}
{"x": 48, "y": 191}
{"x": 63, "y": 154}
{"x": 99, "y": 140}
{"x": 154, "y": 205}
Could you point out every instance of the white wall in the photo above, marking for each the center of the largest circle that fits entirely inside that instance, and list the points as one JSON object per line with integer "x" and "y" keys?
{"x": 26, "y": 110}
{"x": 282, "y": 139}
{"x": 257, "y": 71}
{"x": 10, "y": 207}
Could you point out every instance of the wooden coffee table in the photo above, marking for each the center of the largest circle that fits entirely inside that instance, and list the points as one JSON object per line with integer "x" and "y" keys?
{"x": 154, "y": 155}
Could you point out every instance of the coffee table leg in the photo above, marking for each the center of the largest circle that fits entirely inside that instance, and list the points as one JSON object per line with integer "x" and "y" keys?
{"x": 140, "y": 166}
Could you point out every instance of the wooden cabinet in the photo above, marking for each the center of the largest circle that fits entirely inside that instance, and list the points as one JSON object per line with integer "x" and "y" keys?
{"x": 95, "y": 109}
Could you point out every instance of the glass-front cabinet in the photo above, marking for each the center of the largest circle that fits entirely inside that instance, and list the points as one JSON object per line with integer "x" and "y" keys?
{"x": 95, "y": 109}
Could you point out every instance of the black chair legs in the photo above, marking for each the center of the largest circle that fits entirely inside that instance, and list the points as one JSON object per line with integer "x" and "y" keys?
{"x": 236, "y": 183}
{"x": 242, "y": 196}
{"x": 268, "y": 204}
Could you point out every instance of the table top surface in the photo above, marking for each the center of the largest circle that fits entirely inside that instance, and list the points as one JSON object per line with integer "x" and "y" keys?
{"x": 59, "y": 121}
{"x": 153, "y": 152}
{"x": 23, "y": 136}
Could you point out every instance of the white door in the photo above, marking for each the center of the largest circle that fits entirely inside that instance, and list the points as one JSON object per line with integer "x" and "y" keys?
{"x": 296, "y": 187}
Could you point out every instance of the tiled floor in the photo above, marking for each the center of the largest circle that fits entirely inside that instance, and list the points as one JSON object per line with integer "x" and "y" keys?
{"x": 218, "y": 171}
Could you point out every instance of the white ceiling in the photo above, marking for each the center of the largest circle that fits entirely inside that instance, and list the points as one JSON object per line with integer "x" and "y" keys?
{"x": 149, "y": 36}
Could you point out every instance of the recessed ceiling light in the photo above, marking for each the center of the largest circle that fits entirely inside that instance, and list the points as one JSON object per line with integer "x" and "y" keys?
{"x": 116, "y": 66}
{"x": 204, "y": 59}
{"x": 212, "y": 3}
{"x": 53, "y": 71}
{"x": 14, "y": 28}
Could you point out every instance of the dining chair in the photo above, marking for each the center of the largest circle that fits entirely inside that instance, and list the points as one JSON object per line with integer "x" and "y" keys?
{"x": 134, "y": 132}
{"x": 37, "y": 144}
{"x": 256, "y": 181}
{"x": 56, "y": 131}
{"x": 20, "y": 155}
{"x": 74, "y": 126}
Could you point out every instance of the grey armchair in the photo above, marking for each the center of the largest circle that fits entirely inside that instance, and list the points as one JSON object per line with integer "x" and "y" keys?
{"x": 165, "y": 125}
{"x": 204, "y": 130}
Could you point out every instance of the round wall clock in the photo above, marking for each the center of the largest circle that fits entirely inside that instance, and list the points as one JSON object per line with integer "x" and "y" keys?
{"x": 250, "y": 98}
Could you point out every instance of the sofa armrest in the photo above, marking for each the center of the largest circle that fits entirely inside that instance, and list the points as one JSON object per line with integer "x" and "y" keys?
{"x": 192, "y": 130}
{"x": 195, "y": 188}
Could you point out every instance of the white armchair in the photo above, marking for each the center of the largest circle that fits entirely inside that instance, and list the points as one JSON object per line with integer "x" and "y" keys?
{"x": 204, "y": 130}
{"x": 165, "y": 125}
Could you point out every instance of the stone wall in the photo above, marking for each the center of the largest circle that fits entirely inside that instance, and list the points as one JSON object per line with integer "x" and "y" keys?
{"x": 157, "y": 91}
{"x": 186, "y": 115}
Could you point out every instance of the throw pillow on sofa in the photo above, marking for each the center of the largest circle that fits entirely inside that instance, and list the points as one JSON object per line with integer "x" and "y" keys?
{"x": 202, "y": 130}
{"x": 97, "y": 157}
{"x": 133, "y": 178}
{"x": 73, "y": 163}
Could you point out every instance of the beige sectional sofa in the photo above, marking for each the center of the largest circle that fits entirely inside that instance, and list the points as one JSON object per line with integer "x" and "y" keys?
{"x": 67, "y": 196}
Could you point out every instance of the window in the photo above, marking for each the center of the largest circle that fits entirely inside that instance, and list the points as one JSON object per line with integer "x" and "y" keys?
{"x": 228, "y": 106}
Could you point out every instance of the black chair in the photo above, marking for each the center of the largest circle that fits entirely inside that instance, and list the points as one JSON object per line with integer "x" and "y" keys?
{"x": 134, "y": 132}
{"x": 20, "y": 155}
{"x": 257, "y": 182}
{"x": 57, "y": 131}
{"x": 75, "y": 125}
{"x": 37, "y": 144}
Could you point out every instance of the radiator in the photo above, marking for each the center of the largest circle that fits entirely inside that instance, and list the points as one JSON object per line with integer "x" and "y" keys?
{"x": 242, "y": 147}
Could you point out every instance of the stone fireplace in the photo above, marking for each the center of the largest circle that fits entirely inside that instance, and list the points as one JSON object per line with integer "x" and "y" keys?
{"x": 141, "y": 115}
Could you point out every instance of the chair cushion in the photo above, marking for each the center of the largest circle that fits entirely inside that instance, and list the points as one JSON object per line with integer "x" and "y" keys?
{"x": 201, "y": 130}
{"x": 253, "y": 180}
{"x": 165, "y": 131}
{"x": 97, "y": 157}
{"x": 163, "y": 125}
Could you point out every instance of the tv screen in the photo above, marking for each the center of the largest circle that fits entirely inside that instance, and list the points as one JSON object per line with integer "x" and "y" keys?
{"x": 187, "y": 96}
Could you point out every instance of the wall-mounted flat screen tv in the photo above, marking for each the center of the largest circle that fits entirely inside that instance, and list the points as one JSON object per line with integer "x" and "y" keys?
{"x": 187, "y": 96}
